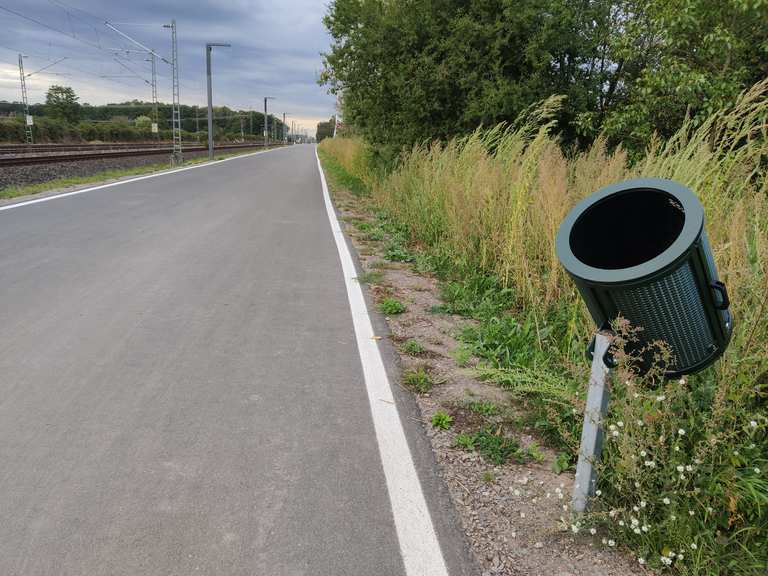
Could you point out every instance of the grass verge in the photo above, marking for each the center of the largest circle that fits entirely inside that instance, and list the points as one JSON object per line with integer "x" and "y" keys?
{"x": 99, "y": 177}
{"x": 684, "y": 477}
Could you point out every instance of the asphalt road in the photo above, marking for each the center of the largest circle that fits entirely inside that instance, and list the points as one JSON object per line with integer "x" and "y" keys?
{"x": 180, "y": 388}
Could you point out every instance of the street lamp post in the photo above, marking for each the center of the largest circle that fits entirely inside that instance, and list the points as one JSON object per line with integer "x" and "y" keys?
{"x": 208, "y": 48}
{"x": 266, "y": 120}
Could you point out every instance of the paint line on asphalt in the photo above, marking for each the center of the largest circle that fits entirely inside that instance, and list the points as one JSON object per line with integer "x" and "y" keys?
{"x": 419, "y": 545}
{"x": 128, "y": 181}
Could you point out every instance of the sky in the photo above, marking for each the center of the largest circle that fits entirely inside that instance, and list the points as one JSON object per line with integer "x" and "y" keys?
{"x": 276, "y": 46}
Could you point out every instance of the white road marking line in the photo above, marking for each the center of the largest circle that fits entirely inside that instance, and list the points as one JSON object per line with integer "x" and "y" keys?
{"x": 145, "y": 177}
{"x": 419, "y": 545}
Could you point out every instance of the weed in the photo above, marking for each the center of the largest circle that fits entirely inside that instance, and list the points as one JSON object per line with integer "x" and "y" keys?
{"x": 378, "y": 265}
{"x": 484, "y": 407}
{"x": 418, "y": 379}
{"x": 391, "y": 306}
{"x": 534, "y": 452}
{"x": 563, "y": 462}
{"x": 395, "y": 251}
{"x": 375, "y": 235}
{"x": 488, "y": 476}
{"x": 361, "y": 225}
{"x": 442, "y": 420}
{"x": 462, "y": 355}
{"x": 491, "y": 443}
{"x": 465, "y": 441}
{"x": 370, "y": 277}
{"x": 412, "y": 348}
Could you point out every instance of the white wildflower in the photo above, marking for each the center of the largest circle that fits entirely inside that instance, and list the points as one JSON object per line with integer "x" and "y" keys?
{"x": 593, "y": 531}
{"x": 667, "y": 501}
{"x": 688, "y": 468}
{"x": 620, "y": 424}
{"x": 661, "y": 398}
{"x": 680, "y": 432}
{"x": 611, "y": 543}
{"x": 694, "y": 546}
{"x": 615, "y": 433}
{"x": 757, "y": 470}
{"x": 666, "y": 561}
{"x": 621, "y": 523}
{"x": 636, "y": 530}
{"x": 641, "y": 561}
{"x": 643, "y": 503}
{"x": 752, "y": 424}
{"x": 646, "y": 527}
{"x": 643, "y": 453}
{"x": 681, "y": 468}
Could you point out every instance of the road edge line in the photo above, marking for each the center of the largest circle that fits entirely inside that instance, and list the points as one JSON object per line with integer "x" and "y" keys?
{"x": 419, "y": 544}
{"x": 129, "y": 180}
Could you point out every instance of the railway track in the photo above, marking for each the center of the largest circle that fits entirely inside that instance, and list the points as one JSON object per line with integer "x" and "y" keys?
{"x": 90, "y": 153}
{"x": 42, "y": 148}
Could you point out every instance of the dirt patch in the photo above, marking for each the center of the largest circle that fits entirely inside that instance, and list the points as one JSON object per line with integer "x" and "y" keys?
{"x": 515, "y": 516}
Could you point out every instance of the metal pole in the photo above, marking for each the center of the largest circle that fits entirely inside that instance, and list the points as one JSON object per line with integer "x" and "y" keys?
{"x": 154, "y": 92}
{"x": 266, "y": 120}
{"x": 592, "y": 431}
{"x": 282, "y": 128}
{"x": 28, "y": 136}
{"x": 208, "y": 49}
{"x": 176, "y": 156}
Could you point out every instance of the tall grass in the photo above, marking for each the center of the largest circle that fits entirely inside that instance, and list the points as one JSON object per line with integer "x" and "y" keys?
{"x": 490, "y": 204}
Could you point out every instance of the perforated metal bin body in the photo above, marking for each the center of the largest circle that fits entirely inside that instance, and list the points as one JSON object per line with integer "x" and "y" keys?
{"x": 638, "y": 249}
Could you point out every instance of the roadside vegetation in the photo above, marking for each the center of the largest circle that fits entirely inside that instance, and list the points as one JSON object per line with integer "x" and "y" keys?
{"x": 684, "y": 479}
{"x": 62, "y": 118}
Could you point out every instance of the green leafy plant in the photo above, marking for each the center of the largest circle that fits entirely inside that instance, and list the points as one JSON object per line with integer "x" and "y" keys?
{"x": 391, "y": 306}
{"x": 562, "y": 462}
{"x": 462, "y": 355}
{"x": 535, "y": 452}
{"x": 412, "y": 347}
{"x": 395, "y": 251}
{"x": 484, "y": 407}
{"x": 442, "y": 420}
{"x": 419, "y": 379}
{"x": 465, "y": 441}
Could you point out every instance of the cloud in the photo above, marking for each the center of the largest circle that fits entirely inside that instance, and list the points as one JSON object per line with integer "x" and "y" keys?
{"x": 275, "y": 51}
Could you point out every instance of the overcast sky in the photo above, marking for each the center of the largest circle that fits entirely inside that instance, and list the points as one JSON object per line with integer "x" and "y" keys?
{"x": 276, "y": 47}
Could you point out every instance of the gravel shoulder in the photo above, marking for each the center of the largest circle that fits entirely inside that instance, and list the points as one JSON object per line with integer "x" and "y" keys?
{"x": 516, "y": 515}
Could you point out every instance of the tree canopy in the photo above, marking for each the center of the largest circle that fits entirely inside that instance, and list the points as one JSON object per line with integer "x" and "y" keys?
{"x": 62, "y": 102}
{"x": 413, "y": 70}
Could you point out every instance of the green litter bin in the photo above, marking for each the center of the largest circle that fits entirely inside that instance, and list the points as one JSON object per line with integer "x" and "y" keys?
{"x": 638, "y": 249}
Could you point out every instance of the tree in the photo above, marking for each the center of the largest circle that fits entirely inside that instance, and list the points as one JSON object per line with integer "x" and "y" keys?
{"x": 142, "y": 121}
{"x": 325, "y": 129}
{"x": 416, "y": 70}
{"x": 62, "y": 102}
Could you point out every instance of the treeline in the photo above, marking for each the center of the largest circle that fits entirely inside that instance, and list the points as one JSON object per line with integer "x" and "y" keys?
{"x": 62, "y": 118}
{"x": 56, "y": 130}
{"x": 415, "y": 70}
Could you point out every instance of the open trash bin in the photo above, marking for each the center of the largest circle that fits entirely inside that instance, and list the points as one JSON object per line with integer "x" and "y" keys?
{"x": 638, "y": 249}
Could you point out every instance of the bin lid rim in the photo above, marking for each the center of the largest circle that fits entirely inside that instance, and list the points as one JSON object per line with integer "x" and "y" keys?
{"x": 692, "y": 227}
